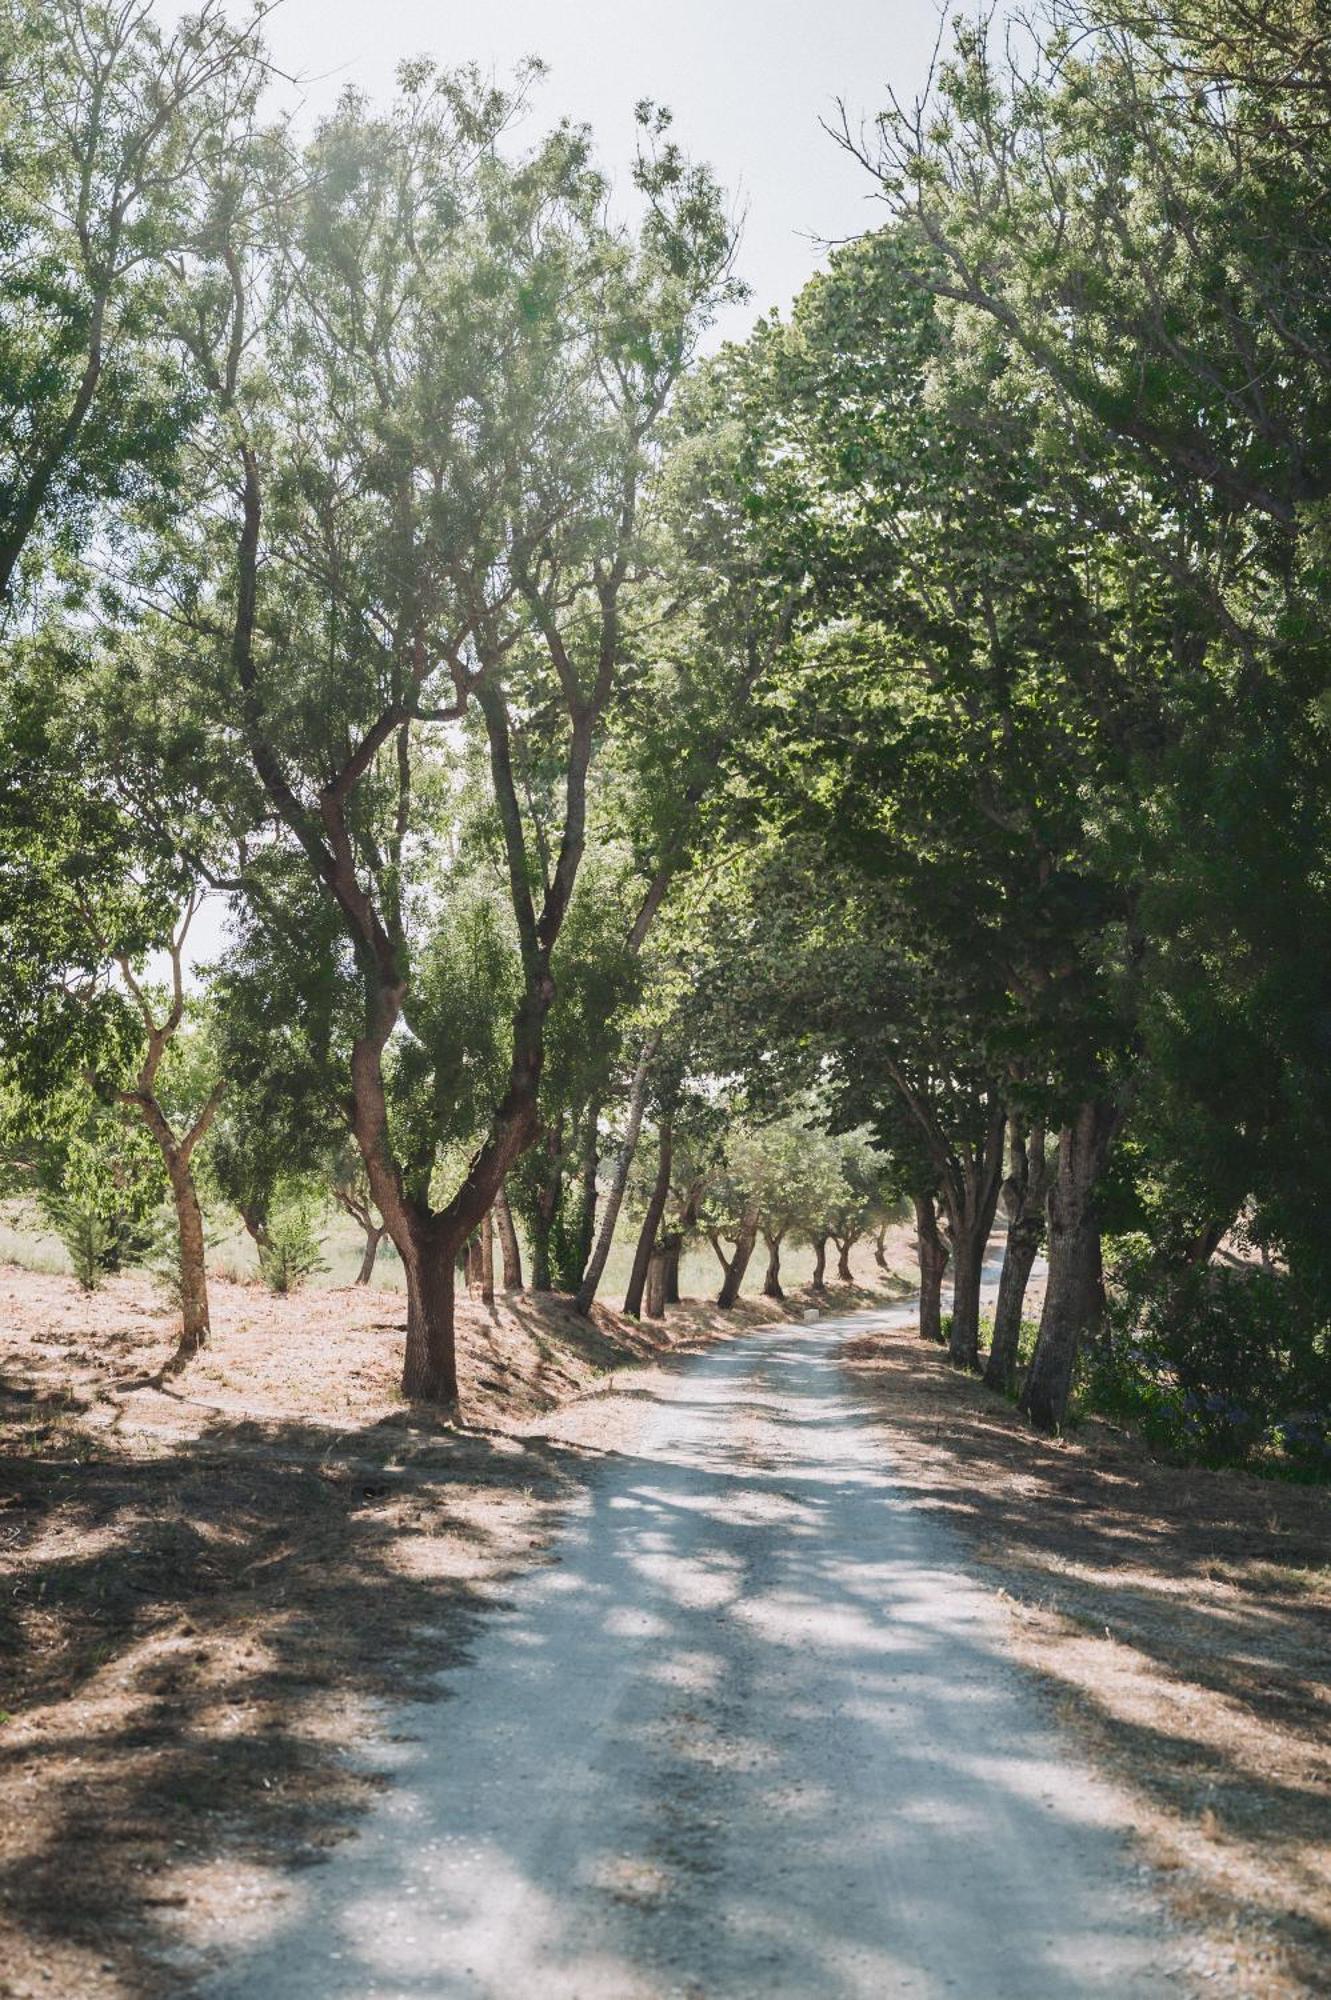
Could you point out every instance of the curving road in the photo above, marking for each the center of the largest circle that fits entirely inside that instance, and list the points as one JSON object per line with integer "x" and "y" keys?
{"x": 752, "y": 1734}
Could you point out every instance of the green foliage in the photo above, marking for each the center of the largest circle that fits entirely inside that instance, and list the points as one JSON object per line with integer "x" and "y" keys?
{"x": 1226, "y": 1366}
{"x": 290, "y": 1249}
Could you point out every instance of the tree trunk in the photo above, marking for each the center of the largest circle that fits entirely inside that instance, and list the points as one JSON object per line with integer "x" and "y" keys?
{"x": 1074, "y": 1295}
{"x": 820, "y": 1263}
{"x": 843, "y": 1249}
{"x": 651, "y": 1222}
{"x": 194, "y": 1326}
{"x": 656, "y": 1284}
{"x": 373, "y": 1238}
{"x": 673, "y": 1249}
{"x": 429, "y": 1370}
{"x": 614, "y": 1199}
{"x": 968, "y": 1246}
{"x": 1024, "y": 1199}
{"x": 540, "y": 1254}
{"x": 508, "y": 1243}
{"x": 487, "y": 1259}
{"x": 772, "y": 1276}
{"x": 736, "y": 1265}
{"x": 879, "y": 1253}
{"x": 932, "y": 1252}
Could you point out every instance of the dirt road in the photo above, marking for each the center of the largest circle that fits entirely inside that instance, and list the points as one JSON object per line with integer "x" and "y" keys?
{"x": 752, "y": 1732}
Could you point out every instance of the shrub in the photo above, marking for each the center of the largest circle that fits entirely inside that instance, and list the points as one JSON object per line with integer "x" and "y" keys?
{"x": 91, "y": 1241}
{"x": 290, "y": 1251}
{"x": 1216, "y": 1363}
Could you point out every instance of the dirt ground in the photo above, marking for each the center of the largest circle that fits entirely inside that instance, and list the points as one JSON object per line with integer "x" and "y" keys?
{"x": 210, "y": 1594}
{"x": 1181, "y": 1619}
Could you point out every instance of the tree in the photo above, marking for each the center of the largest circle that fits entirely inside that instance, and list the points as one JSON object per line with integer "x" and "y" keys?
{"x": 107, "y": 121}
{"x": 437, "y": 382}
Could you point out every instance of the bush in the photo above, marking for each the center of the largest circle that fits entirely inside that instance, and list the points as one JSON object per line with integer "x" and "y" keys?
{"x": 290, "y": 1251}
{"x": 1218, "y": 1364}
{"x": 91, "y": 1242}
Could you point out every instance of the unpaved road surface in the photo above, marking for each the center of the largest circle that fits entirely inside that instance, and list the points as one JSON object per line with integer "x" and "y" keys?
{"x": 752, "y": 1733}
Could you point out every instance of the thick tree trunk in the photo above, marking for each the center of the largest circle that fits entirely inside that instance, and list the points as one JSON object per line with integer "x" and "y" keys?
{"x": 194, "y": 1326}
{"x": 373, "y": 1238}
{"x": 1024, "y": 1199}
{"x": 541, "y": 1280}
{"x": 772, "y": 1275}
{"x": 672, "y": 1249}
{"x": 1074, "y": 1294}
{"x": 619, "y": 1180}
{"x": 508, "y": 1243}
{"x": 656, "y": 1284}
{"x": 844, "y": 1244}
{"x": 651, "y": 1222}
{"x": 932, "y": 1252}
{"x": 429, "y": 1371}
{"x": 736, "y": 1265}
{"x": 970, "y": 1193}
{"x": 819, "y": 1263}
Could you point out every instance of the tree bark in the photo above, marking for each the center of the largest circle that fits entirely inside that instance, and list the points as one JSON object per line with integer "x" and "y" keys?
{"x": 772, "y": 1276}
{"x": 651, "y": 1222}
{"x": 932, "y": 1251}
{"x": 194, "y": 1322}
{"x": 508, "y": 1243}
{"x": 614, "y": 1199}
{"x": 820, "y": 1263}
{"x": 879, "y": 1253}
{"x": 1023, "y": 1198}
{"x": 487, "y": 1259}
{"x": 429, "y": 1369}
{"x": 843, "y": 1249}
{"x": 373, "y": 1238}
{"x": 736, "y": 1265}
{"x": 656, "y": 1284}
{"x": 1074, "y": 1295}
{"x": 581, "y": 1246}
{"x": 672, "y": 1249}
{"x": 970, "y": 1195}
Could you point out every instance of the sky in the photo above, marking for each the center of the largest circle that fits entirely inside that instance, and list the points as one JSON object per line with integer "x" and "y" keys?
{"x": 747, "y": 80}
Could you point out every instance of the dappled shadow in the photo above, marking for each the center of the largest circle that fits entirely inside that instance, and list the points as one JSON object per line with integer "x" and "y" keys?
{"x": 1210, "y": 1585}
{"x": 179, "y": 1631}
{"x": 751, "y": 1733}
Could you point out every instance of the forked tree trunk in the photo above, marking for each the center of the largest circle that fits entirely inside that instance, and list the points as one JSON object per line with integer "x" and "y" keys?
{"x": 879, "y": 1252}
{"x": 1024, "y": 1199}
{"x": 844, "y": 1245}
{"x": 819, "y": 1263}
{"x": 508, "y": 1243}
{"x": 737, "y": 1264}
{"x": 1074, "y": 1294}
{"x": 651, "y": 1221}
{"x": 373, "y": 1238}
{"x": 656, "y": 1284}
{"x": 772, "y": 1275}
{"x": 972, "y": 1202}
{"x": 932, "y": 1252}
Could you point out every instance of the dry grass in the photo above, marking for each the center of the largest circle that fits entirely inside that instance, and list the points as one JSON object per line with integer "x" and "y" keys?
{"x": 208, "y": 1594}
{"x": 1182, "y": 1619}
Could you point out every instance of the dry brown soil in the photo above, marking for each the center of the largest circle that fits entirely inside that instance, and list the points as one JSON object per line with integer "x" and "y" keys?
{"x": 210, "y": 1594}
{"x": 1181, "y": 1619}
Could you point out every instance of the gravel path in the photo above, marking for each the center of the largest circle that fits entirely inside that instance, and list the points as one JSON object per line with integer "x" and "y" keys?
{"x": 752, "y": 1733}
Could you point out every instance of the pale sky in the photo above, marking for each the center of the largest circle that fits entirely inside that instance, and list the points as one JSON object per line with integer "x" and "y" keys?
{"x": 747, "y": 80}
